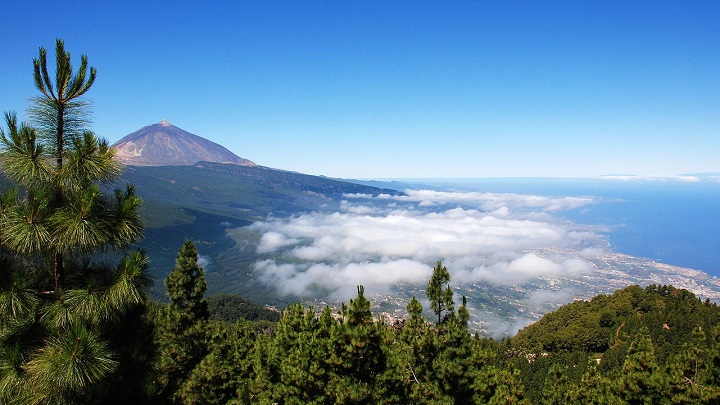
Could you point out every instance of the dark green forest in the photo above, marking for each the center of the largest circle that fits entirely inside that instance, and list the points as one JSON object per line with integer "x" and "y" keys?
{"x": 78, "y": 326}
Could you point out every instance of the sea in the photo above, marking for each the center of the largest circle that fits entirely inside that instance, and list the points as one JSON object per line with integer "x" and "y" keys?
{"x": 672, "y": 220}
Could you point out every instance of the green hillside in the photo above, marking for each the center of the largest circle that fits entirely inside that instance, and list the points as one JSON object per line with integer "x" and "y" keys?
{"x": 675, "y": 325}
{"x": 237, "y": 192}
{"x": 609, "y": 322}
{"x": 202, "y": 202}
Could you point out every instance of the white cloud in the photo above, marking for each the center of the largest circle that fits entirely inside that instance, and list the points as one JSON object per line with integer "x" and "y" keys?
{"x": 513, "y": 269}
{"x": 485, "y": 201}
{"x": 541, "y": 298}
{"x": 271, "y": 241}
{"x": 205, "y": 262}
{"x": 383, "y": 241}
{"x": 339, "y": 280}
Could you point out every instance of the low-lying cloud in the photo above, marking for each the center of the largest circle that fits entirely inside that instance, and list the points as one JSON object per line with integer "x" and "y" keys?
{"x": 383, "y": 241}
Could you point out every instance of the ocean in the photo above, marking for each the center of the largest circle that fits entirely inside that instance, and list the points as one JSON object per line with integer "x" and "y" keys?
{"x": 669, "y": 220}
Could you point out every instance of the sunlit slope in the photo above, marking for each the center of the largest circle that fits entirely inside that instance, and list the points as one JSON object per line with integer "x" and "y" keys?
{"x": 200, "y": 202}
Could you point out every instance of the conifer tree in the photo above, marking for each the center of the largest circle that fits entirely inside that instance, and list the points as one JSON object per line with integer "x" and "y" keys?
{"x": 640, "y": 382}
{"x": 414, "y": 309}
{"x": 356, "y": 356}
{"x": 689, "y": 375}
{"x": 713, "y": 361}
{"x": 226, "y": 370}
{"x": 409, "y": 350}
{"x": 293, "y": 367}
{"x": 556, "y": 386}
{"x": 593, "y": 388}
{"x": 62, "y": 309}
{"x": 439, "y": 292}
{"x": 181, "y": 329}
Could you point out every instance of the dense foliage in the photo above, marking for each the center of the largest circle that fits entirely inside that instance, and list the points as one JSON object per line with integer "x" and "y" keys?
{"x": 658, "y": 352}
{"x": 232, "y": 308}
{"x": 669, "y": 331}
{"x": 181, "y": 323}
{"x": 351, "y": 357}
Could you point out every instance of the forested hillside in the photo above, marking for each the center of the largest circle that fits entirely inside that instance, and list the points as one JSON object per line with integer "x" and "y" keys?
{"x": 232, "y": 308}
{"x": 668, "y": 334}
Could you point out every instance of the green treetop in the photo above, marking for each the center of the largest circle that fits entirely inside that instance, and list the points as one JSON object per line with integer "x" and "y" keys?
{"x": 439, "y": 292}
{"x": 181, "y": 332}
{"x": 62, "y": 209}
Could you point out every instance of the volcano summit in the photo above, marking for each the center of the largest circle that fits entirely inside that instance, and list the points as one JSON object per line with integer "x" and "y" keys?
{"x": 164, "y": 144}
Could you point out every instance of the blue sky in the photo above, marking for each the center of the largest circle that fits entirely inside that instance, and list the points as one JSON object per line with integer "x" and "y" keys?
{"x": 399, "y": 89}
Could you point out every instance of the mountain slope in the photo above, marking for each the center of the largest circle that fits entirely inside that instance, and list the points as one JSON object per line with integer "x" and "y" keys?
{"x": 205, "y": 201}
{"x": 667, "y": 313}
{"x": 164, "y": 144}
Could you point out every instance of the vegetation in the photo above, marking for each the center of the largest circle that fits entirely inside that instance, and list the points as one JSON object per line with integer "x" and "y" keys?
{"x": 77, "y": 330}
{"x": 232, "y": 308}
{"x": 181, "y": 324}
{"x": 351, "y": 357}
{"x": 439, "y": 292}
{"x": 659, "y": 327}
{"x": 67, "y": 319}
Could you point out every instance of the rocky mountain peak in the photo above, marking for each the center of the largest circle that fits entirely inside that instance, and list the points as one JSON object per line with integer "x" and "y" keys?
{"x": 164, "y": 144}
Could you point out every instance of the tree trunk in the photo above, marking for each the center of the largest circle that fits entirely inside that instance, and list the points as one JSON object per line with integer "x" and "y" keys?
{"x": 58, "y": 269}
{"x": 58, "y": 272}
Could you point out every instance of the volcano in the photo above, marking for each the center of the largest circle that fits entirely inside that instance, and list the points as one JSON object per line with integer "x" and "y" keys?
{"x": 164, "y": 144}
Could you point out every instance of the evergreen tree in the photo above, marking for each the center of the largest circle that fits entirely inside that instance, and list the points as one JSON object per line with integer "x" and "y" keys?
{"x": 61, "y": 115}
{"x": 556, "y": 386}
{"x": 689, "y": 373}
{"x": 640, "y": 382}
{"x": 594, "y": 388}
{"x": 293, "y": 366}
{"x": 226, "y": 370}
{"x": 713, "y": 361}
{"x": 439, "y": 293}
{"x": 62, "y": 309}
{"x": 356, "y": 357}
{"x": 181, "y": 330}
{"x": 463, "y": 315}
{"x": 415, "y": 309}
{"x": 409, "y": 352}
{"x": 453, "y": 365}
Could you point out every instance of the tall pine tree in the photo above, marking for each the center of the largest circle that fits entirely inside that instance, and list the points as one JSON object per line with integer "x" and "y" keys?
{"x": 439, "y": 292}
{"x": 62, "y": 309}
{"x": 181, "y": 329}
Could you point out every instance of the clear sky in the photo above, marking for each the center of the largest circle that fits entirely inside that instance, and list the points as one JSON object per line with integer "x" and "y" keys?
{"x": 382, "y": 89}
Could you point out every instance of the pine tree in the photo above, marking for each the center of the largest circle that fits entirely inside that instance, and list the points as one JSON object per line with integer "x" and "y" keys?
{"x": 498, "y": 385}
{"x": 640, "y": 382}
{"x": 556, "y": 386}
{"x": 293, "y": 367}
{"x": 61, "y": 115}
{"x": 592, "y": 389}
{"x": 689, "y": 375}
{"x": 415, "y": 309}
{"x": 62, "y": 309}
{"x": 226, "y": 370}
{"x": 356, "y": 357}
{"x": 439, "y": 292}
{"x": 181, "y": 330}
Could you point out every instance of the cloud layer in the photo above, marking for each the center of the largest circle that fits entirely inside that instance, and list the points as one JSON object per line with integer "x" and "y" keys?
{"x": 383, "y": 241}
